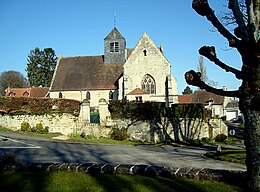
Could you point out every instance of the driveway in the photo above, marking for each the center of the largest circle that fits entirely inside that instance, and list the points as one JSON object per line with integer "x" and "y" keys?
{"x": 31, "y": 149}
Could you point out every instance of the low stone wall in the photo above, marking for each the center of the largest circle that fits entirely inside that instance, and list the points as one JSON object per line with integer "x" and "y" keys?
{"x": 146, "y": 131}
{"x": 64, "y": 123}
{"x": 178, "y": 129}
{"x": 146, "y": 170}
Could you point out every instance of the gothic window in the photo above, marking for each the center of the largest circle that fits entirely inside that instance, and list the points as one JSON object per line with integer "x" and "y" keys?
{"x": 148, "y": 84}
{"x": 88, "y": 95}
{"x": 26, "y": 94}
{"x": 114, "y": 47}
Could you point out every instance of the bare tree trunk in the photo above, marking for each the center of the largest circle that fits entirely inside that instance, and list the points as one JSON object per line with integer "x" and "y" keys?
{"x": 252, "y": 143}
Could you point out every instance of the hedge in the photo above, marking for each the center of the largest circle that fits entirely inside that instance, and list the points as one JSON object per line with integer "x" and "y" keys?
{"x": 27, "y": 105}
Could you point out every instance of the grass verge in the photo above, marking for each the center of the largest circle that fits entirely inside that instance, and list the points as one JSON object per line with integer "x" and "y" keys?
{"x": 65, "y": 181}
{"x": 236, "y": 156}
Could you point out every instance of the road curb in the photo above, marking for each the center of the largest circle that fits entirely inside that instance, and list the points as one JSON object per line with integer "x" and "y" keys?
{"x": 145, "y": 170}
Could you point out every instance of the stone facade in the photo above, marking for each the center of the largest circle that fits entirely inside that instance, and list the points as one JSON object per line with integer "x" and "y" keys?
{"x": 147, "y": 60}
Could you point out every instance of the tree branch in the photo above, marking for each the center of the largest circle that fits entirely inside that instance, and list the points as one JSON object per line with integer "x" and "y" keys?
{"x": 193, "y": 78}
{"x": 210, "y": 53}
{"x": 202, "y": 8}
{"x": 234, "y": 6}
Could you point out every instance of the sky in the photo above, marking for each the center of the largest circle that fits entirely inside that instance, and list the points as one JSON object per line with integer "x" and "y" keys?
{"x": 78, "y": 28}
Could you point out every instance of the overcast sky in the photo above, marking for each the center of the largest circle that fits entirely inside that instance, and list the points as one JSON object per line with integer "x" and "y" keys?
{"x": 78, "y": 28}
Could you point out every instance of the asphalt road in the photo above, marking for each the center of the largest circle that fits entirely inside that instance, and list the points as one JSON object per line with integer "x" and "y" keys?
{"x": 31, "y": 149}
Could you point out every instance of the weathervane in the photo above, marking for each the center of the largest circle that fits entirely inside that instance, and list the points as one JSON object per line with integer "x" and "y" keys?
{"x": 114, "y": 19}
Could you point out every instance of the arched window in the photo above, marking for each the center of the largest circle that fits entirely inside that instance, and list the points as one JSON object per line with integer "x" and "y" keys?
{"x": 26, "y": 94}
{"x": 60, "y": 94}
{"x": 148, "y": 84}
{"x": 88, "y": 95}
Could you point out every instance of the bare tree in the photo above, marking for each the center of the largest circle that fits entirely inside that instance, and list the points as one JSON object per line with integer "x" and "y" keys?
{"x": 245, "y": 40}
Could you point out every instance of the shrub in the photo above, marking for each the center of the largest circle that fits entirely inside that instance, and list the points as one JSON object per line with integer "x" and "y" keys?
{"x": 40, "y": 129}
{"x": 25, "y": 126}
{"x": 119, "y": 134}
{"x": 206, "y": 140}
{"x": 220, "y": 137}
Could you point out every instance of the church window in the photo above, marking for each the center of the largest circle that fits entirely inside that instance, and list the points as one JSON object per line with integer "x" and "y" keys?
{"x": 114, "y": 47}
{"x": 145, "y": 53}
{"x": 88, "y": 95}
{"x": 148, "y": 84}
{"x": 60, "y": 94}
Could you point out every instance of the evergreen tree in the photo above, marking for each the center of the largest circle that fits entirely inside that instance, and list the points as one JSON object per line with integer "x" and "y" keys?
{"x": 41, "y": 66}
{"x": 187, "y": 90}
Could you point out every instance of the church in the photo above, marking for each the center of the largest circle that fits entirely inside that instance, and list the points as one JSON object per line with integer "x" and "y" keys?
{"x": 141, "y": 74}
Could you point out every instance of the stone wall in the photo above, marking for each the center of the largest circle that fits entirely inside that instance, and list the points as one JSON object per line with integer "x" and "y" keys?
{"x": 149, "y": 130}
{"x": 178, "y": 130}
{"x": 62, "y": 123}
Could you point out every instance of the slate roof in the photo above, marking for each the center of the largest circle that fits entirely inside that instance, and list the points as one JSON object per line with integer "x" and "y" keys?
{"x": 33, "y": 91}
{"x": 137, "y": 91}
{"x": 85, "y": 73}
{"x": 114, "y": 34}
{"x": 233, "y": 104}
{"x": 201, "y": 96}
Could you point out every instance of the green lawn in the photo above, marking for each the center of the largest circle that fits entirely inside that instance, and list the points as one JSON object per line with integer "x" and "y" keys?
{"x": 237, "y": 156}
{"x": 65, "y": 181}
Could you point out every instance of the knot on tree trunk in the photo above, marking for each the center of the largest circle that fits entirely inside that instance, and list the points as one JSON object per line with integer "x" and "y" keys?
{"x": 209, "y": 52}
{"x": 193, "y": 78}
{"x": 201, "y": 7}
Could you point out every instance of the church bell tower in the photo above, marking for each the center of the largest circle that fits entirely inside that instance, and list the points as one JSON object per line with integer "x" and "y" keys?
{"x": 114, "y": 48}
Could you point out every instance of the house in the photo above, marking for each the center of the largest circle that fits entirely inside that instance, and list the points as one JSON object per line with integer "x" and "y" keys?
{"x": 216, "y": 103}
{"x": 27, "y": 92}
{"x": 142, "y": 73}
{"x": 232, "y": 111}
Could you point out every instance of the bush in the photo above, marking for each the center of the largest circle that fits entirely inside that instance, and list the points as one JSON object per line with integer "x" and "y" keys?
{"x": 40, "y": 129}
{"x": 25, "y": 126}
{"x": 220, "y": 137}
{"x": 119, "y": 134}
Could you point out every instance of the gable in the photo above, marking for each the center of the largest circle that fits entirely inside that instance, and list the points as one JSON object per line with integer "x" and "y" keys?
{"x": 85, "y": 73}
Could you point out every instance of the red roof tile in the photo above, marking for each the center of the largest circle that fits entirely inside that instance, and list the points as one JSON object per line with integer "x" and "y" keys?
{"x": 137, "y": 91}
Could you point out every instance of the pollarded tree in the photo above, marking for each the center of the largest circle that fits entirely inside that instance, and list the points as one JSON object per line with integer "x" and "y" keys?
{"x": 11, "y": 79}
{"x": 245, "y": 40}
{"x": 41, "y": 66}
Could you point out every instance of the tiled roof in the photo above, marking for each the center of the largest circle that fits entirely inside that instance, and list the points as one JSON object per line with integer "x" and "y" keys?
{"x": 85, "y": 73}
{"x": 201, "y": 96}
{"x": 184, "y": 99}
{"x": 32, "y": 91}
{"x": 137, "y": 91}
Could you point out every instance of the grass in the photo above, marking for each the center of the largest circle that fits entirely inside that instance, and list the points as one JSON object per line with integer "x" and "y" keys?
{"x": 93, "y": 139}
{"x": 65, "y": 181}
{"x": 34, "y": 134}
{"x": 236, "y": 156}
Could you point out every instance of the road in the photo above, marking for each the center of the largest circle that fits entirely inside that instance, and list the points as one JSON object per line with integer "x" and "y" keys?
{"x": 30, "y": 149}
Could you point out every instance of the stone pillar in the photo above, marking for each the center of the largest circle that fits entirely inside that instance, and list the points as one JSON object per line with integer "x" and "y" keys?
{"x": 103, "y": 111}
{"x": 85, "y": 112}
